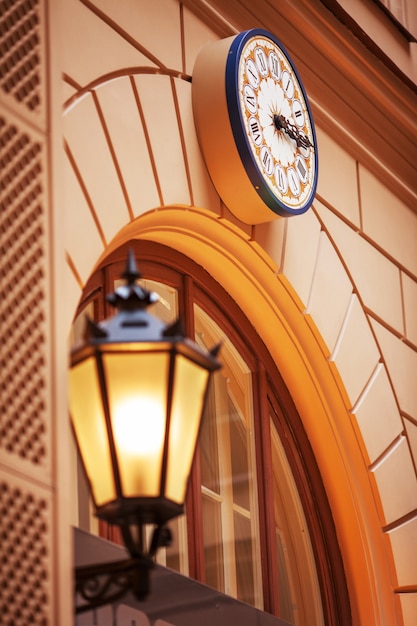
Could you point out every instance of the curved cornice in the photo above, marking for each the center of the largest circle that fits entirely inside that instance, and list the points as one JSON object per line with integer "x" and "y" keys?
{"x": 107, "y": 78}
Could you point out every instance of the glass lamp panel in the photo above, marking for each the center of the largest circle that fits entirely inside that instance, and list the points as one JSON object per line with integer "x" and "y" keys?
{"x": 90, "y": 429}
{"x": 84, "y": 512}
{"x": 137, "y": 391}
{"x": 190, "y": 381}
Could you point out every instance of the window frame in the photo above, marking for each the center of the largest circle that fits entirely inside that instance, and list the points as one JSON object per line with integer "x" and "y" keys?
{"x": 194, "y": 284}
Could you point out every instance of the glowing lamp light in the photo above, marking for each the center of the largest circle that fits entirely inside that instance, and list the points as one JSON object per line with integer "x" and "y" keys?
{"x": 137, "y": 394}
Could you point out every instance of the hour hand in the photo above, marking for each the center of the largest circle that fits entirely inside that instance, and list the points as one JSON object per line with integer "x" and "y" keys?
{"x": 281, "y": 123}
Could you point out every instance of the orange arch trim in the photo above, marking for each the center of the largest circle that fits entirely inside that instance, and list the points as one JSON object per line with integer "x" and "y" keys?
{"x": 275, "y": 311}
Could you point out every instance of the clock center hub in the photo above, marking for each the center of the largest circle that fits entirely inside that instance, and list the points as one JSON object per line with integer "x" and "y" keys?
{"x": 279, "y": 121}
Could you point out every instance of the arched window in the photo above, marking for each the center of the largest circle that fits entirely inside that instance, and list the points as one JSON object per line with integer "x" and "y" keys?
{"x": 258, "y": 525}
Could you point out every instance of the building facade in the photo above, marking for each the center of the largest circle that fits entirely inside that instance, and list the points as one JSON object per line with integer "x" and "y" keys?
{"x": 99, "y": 149}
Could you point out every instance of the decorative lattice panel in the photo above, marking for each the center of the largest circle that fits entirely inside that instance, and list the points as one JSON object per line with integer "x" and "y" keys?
{"x": 22, "y": 297}
{"x": 20, "y": 53}
{"x": 24, "y": 571}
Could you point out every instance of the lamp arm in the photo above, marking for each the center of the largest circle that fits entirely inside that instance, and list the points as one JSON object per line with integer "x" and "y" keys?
{"x": 103, "y": 583}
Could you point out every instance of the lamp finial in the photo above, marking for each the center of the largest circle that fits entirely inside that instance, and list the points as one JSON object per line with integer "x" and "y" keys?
{"x": 131, "y": 296}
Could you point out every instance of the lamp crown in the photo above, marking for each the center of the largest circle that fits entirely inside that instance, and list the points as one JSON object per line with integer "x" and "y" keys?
{"x": 131, "y": 296}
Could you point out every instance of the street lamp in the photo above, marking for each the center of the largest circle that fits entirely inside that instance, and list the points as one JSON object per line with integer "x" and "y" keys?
{"x": 137, "y": 394}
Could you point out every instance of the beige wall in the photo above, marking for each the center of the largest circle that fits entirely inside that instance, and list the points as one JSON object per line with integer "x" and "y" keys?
{"x": 336, "y": 288}
{"x": 350, "y": 263}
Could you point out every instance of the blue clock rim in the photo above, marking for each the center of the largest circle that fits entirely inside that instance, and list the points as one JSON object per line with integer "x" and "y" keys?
{"x": 237, "y": 124}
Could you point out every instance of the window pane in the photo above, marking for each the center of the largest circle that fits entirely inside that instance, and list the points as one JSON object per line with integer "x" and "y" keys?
{"x": 213, "y": 546}
{"x": 79, "y": 324}
{"x": 244, "y": 559}
{"x": 284, "y": 589}
{"x": 228, "y": 473}
{"x": 209, "y": 451}
{"x": 166, "y": 308}
{"x": 298, "y": 588}
{"x": 175, "y": 556}
{"x": 239, "y": 458}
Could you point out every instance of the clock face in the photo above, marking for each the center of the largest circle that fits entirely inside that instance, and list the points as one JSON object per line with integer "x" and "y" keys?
{"x": 272, "y": 123}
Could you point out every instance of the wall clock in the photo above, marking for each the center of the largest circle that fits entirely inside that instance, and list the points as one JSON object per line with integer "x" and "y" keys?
{"x": 255, "y": 127}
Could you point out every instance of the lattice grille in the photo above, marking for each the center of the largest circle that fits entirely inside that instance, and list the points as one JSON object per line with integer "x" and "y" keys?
{"x": 24, "y": 585}
{"x": 20, "y": 51}
{"x": 22, "y": 297}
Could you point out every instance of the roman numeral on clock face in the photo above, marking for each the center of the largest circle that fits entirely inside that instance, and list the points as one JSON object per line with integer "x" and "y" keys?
{"x": 287, "y": 85}
{"x": 274, "y": 66}
{"x": 267, "y": 160}
{"x": 293, "y": 182}
{"x": 250, "y": 99}
{"x": 261, "y": 62}
{"x": 255, "y": 131}
{"x": 298, "y": 113}
{"x": 252, "y": 73}
{"x": 281, "y": 179}
{"x": 300, "y": 166}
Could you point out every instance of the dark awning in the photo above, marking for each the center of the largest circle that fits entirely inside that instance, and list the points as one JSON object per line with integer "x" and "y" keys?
{"x": 174, "y": 599}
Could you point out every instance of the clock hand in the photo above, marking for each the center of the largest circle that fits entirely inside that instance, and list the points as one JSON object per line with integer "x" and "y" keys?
{"x": 281, "y": 122}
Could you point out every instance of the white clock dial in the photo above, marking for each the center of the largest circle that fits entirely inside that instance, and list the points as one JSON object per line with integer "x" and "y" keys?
{"x": 276, "y": 118}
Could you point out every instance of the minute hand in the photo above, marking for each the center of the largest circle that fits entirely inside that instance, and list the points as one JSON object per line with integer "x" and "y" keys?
{"x": 292, "y": 131}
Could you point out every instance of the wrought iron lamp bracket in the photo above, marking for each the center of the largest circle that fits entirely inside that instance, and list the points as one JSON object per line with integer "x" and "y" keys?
{"x": 104, "y": 583}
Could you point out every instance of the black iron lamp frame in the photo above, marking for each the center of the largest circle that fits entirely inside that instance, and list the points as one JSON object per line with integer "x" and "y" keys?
{"x": 102, "y": 583}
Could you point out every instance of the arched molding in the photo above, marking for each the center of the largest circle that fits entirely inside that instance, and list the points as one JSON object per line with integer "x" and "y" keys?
{"x": 274, "y": 309}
